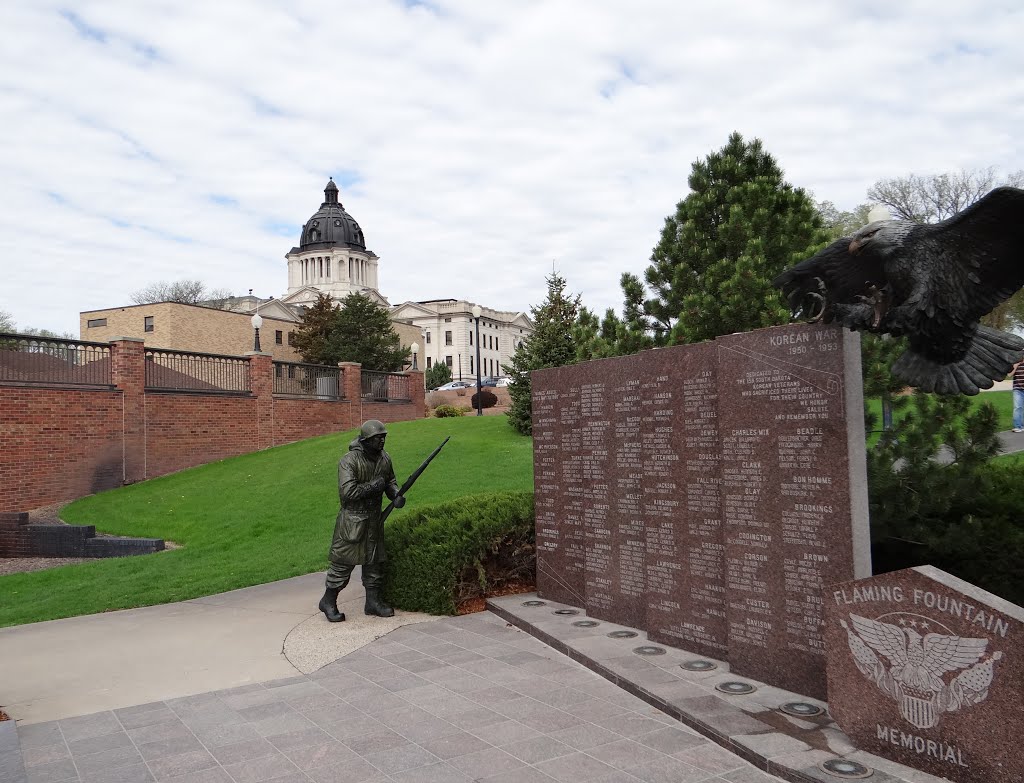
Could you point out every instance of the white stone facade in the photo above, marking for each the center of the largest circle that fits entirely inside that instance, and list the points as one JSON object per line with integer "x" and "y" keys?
{"x": 449, "y": 336}
{"x": 337, "y": 271}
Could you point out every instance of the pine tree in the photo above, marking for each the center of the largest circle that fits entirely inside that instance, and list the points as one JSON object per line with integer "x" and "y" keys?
{"x": 312, "y": 337}
{"x": 740, "y": 226}
{"x": 362, "y": 332}
{"x": 550, "y": 345}
{"x": 357, "y": 330}
{"x": 438, "y": 375}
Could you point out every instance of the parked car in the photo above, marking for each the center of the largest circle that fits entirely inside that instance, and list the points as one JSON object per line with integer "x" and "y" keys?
{"x": 453, "y": 385}
{"x": 502, "y": 382}
{"x": 494, "y": 380}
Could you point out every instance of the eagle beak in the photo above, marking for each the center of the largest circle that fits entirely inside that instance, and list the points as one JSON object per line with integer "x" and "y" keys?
{"x": 855, "y": 247}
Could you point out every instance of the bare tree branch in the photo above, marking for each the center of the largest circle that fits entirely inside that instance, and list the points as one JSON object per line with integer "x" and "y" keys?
{"x": 185, "y": 291}
{"x": 929, "y": 199}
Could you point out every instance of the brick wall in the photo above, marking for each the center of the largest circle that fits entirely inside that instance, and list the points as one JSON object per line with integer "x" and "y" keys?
{"x": 58, "y": 444}
{"x": 298, "y": 419}
{"x": 183, "y": 430}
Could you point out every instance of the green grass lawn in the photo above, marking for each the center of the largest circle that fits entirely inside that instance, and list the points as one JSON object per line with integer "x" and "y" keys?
{"x": 255, "y": 518}
{"x": 1001, "y": 400}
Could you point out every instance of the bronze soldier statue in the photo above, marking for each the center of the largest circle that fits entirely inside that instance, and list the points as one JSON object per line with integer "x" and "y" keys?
{"x": 364, "y": 474}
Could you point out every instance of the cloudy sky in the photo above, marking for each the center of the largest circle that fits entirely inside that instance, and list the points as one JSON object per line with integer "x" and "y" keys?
{"x": 476, "y": 142}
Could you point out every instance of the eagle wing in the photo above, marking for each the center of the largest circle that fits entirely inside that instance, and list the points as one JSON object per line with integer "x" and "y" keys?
{"x": 833, "y": 273}
{"x": 976, "y": 257}
{"x": 884, "y": 638}
{"x": 950, "y": 653}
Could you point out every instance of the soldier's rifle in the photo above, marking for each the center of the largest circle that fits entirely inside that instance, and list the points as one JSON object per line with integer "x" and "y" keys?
{"x": 412, "y": 480}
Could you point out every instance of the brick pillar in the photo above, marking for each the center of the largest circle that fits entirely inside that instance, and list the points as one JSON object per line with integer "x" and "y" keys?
{"x": 417, "y": 392}
{"x": 353, "y": 385}
{"x": 261, "y": 382}
{"x": 128, "y": 368}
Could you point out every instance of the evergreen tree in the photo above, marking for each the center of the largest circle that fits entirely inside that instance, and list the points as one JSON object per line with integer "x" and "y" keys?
{"x": 550, "y": 345}
{"x": 740, "y": 226}
{"x": 587, "y": 336}
{"x": 357, "y": 330}
{"x": 363, "y": 332}
{"x": 611, "y": 335}
{"x": 312, "y": 337}
{"x": 438, "y": 375}
{"x": 634, "y": 334}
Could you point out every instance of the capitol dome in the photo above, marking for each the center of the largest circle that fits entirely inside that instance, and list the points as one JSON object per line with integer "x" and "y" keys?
{"x": 331, "y": 226}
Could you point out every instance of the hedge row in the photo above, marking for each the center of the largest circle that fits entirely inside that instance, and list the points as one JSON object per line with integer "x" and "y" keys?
{"x": 441, "y": 555}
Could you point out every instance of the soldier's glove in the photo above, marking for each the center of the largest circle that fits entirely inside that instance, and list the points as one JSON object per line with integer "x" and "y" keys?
{"x": 399, "y": 501}
{"x": 375, "y": 486}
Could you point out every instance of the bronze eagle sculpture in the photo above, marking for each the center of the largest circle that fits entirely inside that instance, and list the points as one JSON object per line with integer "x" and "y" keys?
{"x": 928, "y": 283}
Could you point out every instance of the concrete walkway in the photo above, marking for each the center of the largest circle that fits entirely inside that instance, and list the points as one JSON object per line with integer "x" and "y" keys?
{"x": 80, "y": 665}
{"x": 238, "y": 687}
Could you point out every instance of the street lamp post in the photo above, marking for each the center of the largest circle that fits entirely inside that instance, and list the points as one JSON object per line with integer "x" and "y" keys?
{"x": 479, "y": 397}
{"x": 257, "y": 322}
{"x": 415, "y": 348}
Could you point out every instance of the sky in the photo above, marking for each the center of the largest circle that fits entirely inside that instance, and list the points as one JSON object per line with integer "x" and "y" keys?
{"x": 479, "y": 144}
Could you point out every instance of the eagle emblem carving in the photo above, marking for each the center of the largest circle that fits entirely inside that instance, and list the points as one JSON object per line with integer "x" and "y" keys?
{"x": 913, "y": 668}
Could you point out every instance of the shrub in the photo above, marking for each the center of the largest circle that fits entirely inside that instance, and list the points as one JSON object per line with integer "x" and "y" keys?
{"x": 488, "y": 399}
{"x": 447, "y": 553}
{"x": 448, "y": 411}
{"x": 961, "y": 516}
{"x": 461, "y": 391}
{"x": 434, "y": 399}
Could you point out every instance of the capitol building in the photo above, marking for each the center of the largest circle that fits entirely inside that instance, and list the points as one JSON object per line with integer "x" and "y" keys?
{"x": 331, "y": 258}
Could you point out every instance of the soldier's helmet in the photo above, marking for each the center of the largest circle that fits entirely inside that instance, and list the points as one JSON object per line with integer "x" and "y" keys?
{"x": 371, "y": 429}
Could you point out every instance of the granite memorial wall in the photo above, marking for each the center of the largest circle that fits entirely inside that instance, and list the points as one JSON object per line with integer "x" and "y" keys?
{"x": 926, "y": 669}
{"x": 707, "y": 493}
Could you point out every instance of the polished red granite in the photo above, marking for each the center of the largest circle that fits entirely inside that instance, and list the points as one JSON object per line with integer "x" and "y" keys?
{"x": 794, "y": 495}
{"x": 705, "y": 493}
{"x": 927, "y": 670}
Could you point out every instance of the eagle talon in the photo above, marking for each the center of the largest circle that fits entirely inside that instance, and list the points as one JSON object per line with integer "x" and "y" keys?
{"x": 813, "y": 307}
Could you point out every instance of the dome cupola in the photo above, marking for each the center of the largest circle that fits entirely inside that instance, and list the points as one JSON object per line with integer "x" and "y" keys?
{"x": 331, "y": 226}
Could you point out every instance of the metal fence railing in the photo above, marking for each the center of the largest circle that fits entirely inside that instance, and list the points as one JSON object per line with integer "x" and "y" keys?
{"x": 385, "y": 386}
{"x": 313, "y": 381}
{"x": 26, "y": 358}
{"x": 206, "y": 373}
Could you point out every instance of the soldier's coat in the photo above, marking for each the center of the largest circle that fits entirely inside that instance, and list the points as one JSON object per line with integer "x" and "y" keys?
{"x": 358, "y": 531}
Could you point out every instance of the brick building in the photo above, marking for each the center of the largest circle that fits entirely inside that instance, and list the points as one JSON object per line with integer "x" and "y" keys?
{"x": 185, "y": 327}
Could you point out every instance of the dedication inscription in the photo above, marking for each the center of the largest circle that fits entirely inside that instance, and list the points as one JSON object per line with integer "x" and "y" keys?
{"x": 794, "y": 502}
{"x": 926, "y": 669}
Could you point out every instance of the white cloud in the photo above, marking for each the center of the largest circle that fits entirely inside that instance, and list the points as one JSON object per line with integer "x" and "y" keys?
{"x": 480, "y": 142}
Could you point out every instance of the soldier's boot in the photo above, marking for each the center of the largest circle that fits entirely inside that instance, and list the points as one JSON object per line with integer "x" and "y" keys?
{"x": 375, "y": 606}
{"x": 329, "y": 605}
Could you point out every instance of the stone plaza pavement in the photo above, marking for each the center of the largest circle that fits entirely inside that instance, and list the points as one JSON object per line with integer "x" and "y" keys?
{"x": 439, "y": 699}
{"x": 434, "y": 699}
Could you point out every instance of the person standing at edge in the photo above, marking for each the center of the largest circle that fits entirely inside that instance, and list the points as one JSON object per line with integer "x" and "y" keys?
{"x": 1018, "y": 397}
{"x": 365, "y": 473}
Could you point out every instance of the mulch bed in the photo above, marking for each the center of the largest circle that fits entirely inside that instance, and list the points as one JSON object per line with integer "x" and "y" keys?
{"x": 479, "y": 603}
